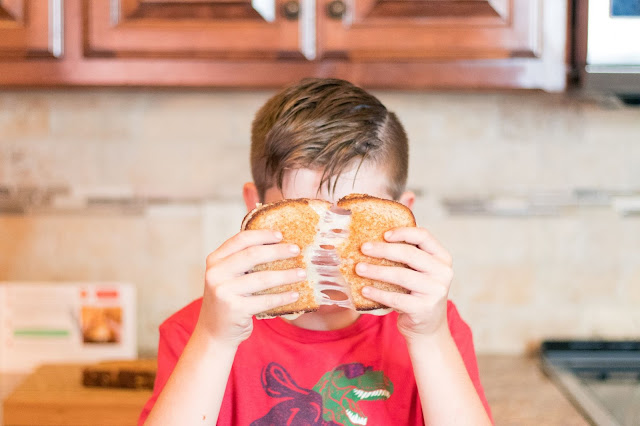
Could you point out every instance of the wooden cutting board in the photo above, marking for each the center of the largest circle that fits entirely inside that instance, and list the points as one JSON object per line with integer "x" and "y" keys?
{"x": 54, "y": 395}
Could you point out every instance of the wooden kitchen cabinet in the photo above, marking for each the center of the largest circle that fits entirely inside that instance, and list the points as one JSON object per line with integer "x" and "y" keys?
{"x": 190, "y": 29}
{"x": 432, "y": 30}
{"x": 30, "y": 29}
{"x": 418, "y": 44}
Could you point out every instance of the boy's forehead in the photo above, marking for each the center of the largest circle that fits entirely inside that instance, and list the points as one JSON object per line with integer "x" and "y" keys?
{"x": 303, "y": 183}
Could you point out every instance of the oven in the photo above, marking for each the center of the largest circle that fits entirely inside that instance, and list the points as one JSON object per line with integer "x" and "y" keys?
{"x": 602, "y": 378}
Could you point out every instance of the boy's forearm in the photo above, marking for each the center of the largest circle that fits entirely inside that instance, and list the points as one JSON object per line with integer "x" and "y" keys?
{"x": 447, "y": 394}
{"x": 193, "y": 394}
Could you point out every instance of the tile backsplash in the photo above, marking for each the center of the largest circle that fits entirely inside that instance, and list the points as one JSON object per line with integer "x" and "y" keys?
{"x": 537, "y": 196}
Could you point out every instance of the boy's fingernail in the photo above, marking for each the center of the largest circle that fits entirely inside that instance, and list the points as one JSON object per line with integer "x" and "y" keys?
{"x": 361, "y": 267}
{"x": 278, "y": 235}
{"x": 367, "y": 246}
{"x": 301, "y": 273}
{"x": 366, "y": 290}
{"x": 388, "y": 234}
{"x": 295, "y": 295}
{"x": 294, "y": 248}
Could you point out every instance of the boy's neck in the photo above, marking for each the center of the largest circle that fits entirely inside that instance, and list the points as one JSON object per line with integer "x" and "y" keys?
{"x": 326, "y": 318}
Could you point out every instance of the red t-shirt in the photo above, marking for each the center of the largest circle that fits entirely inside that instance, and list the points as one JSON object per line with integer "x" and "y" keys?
{"x": 286, "y": 375}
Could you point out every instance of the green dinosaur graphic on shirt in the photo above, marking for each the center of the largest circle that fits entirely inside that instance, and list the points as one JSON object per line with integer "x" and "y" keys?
{"x": 345, "y": 386}
{"x": 333, "y": 401}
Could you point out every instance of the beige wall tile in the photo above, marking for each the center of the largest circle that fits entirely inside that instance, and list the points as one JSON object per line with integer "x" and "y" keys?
{"x": 161, "y": 256}
{"x": 517, "y": 280}
{"x": 99, "y": 115}
{"x": 23, "y": 116}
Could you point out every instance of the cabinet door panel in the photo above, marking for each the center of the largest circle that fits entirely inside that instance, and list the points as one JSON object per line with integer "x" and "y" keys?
{"x": 432, "y": 29}
{"x": 30, "y": 28}
{"x": 189, "y": 29}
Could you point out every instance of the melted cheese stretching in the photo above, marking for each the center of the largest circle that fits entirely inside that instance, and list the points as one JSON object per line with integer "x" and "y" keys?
{"x": 321, "y": 257}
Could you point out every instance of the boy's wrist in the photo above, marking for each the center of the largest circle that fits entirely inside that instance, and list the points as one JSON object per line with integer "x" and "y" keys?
{"x": 419, "y": 343}
{"x": 205, "y": 341}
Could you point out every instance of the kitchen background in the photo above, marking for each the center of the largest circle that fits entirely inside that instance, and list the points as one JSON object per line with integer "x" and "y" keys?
{"x": 533, "y": 193}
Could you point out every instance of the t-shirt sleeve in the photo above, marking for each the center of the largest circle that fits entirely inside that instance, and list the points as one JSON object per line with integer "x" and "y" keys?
{"x": 173, "y": 339}
{"x": 461, "y": 333}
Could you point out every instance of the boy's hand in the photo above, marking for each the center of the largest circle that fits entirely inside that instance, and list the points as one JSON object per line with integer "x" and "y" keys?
{"x": 228, "y": 303}
{"x": 424, "y": 310}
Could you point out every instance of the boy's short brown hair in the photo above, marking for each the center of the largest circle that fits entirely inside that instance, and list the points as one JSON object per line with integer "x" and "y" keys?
{"x": 326, "y": 124}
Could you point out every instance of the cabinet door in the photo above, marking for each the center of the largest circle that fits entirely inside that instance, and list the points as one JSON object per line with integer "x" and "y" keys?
{"x": 221, "y": 29}
{"x": 429, "y": 29}
{"x": 30, "y": 28}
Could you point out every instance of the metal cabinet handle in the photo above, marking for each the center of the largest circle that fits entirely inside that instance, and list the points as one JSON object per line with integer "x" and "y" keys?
{"x": 291, "y": 10}
{"x": 336, "y": 9}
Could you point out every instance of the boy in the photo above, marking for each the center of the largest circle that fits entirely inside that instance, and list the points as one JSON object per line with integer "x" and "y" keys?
{"x": 320, "y": 138}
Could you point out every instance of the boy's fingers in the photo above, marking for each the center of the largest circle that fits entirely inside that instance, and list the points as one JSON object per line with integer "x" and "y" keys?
{"x": 404, "y": 253}
{"x": 405, "y": 303}
{"x": 243, "y": 240}
{"x": 406, "y": 278}
{"x": 257, "y": 281}
{"x": 421, "y": 238}
{"x": 240, "y": 262}
{"x": 253, "y": 305}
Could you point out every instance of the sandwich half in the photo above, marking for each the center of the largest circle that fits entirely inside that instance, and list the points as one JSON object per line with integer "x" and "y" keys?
{"x": 329, "y": 237}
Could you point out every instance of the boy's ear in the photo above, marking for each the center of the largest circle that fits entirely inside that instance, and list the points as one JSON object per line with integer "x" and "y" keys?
{"x": 407, "y": 198}
{"x": 250, "y": 195}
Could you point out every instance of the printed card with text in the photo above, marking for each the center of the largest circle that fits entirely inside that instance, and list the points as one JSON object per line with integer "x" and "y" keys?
{"x": 65, "y": 322}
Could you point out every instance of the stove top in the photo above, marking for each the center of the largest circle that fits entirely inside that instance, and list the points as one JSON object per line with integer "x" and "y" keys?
{"x": 602, "y": 378}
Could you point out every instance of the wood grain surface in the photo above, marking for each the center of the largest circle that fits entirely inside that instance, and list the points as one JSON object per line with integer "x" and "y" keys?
{"x": 54, "y": 395}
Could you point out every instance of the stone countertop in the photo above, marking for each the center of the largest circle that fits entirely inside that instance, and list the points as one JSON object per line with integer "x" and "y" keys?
{"x": 517, "y": 390}
{"x": 520, "y": 394}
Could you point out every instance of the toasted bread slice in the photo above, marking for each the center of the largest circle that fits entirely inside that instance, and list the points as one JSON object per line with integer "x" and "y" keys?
{"x": 370, "y": 218}
{"x": 297, "y": 220}
{"x": 329, "y": 237}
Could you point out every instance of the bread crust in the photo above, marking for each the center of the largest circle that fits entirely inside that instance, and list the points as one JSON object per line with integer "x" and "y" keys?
{"x": 371, "y": 217}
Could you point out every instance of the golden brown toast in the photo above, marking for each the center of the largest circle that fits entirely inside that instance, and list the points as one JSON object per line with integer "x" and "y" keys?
{"x": 370, "y": 218}
{"x": 329, "y": 237}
